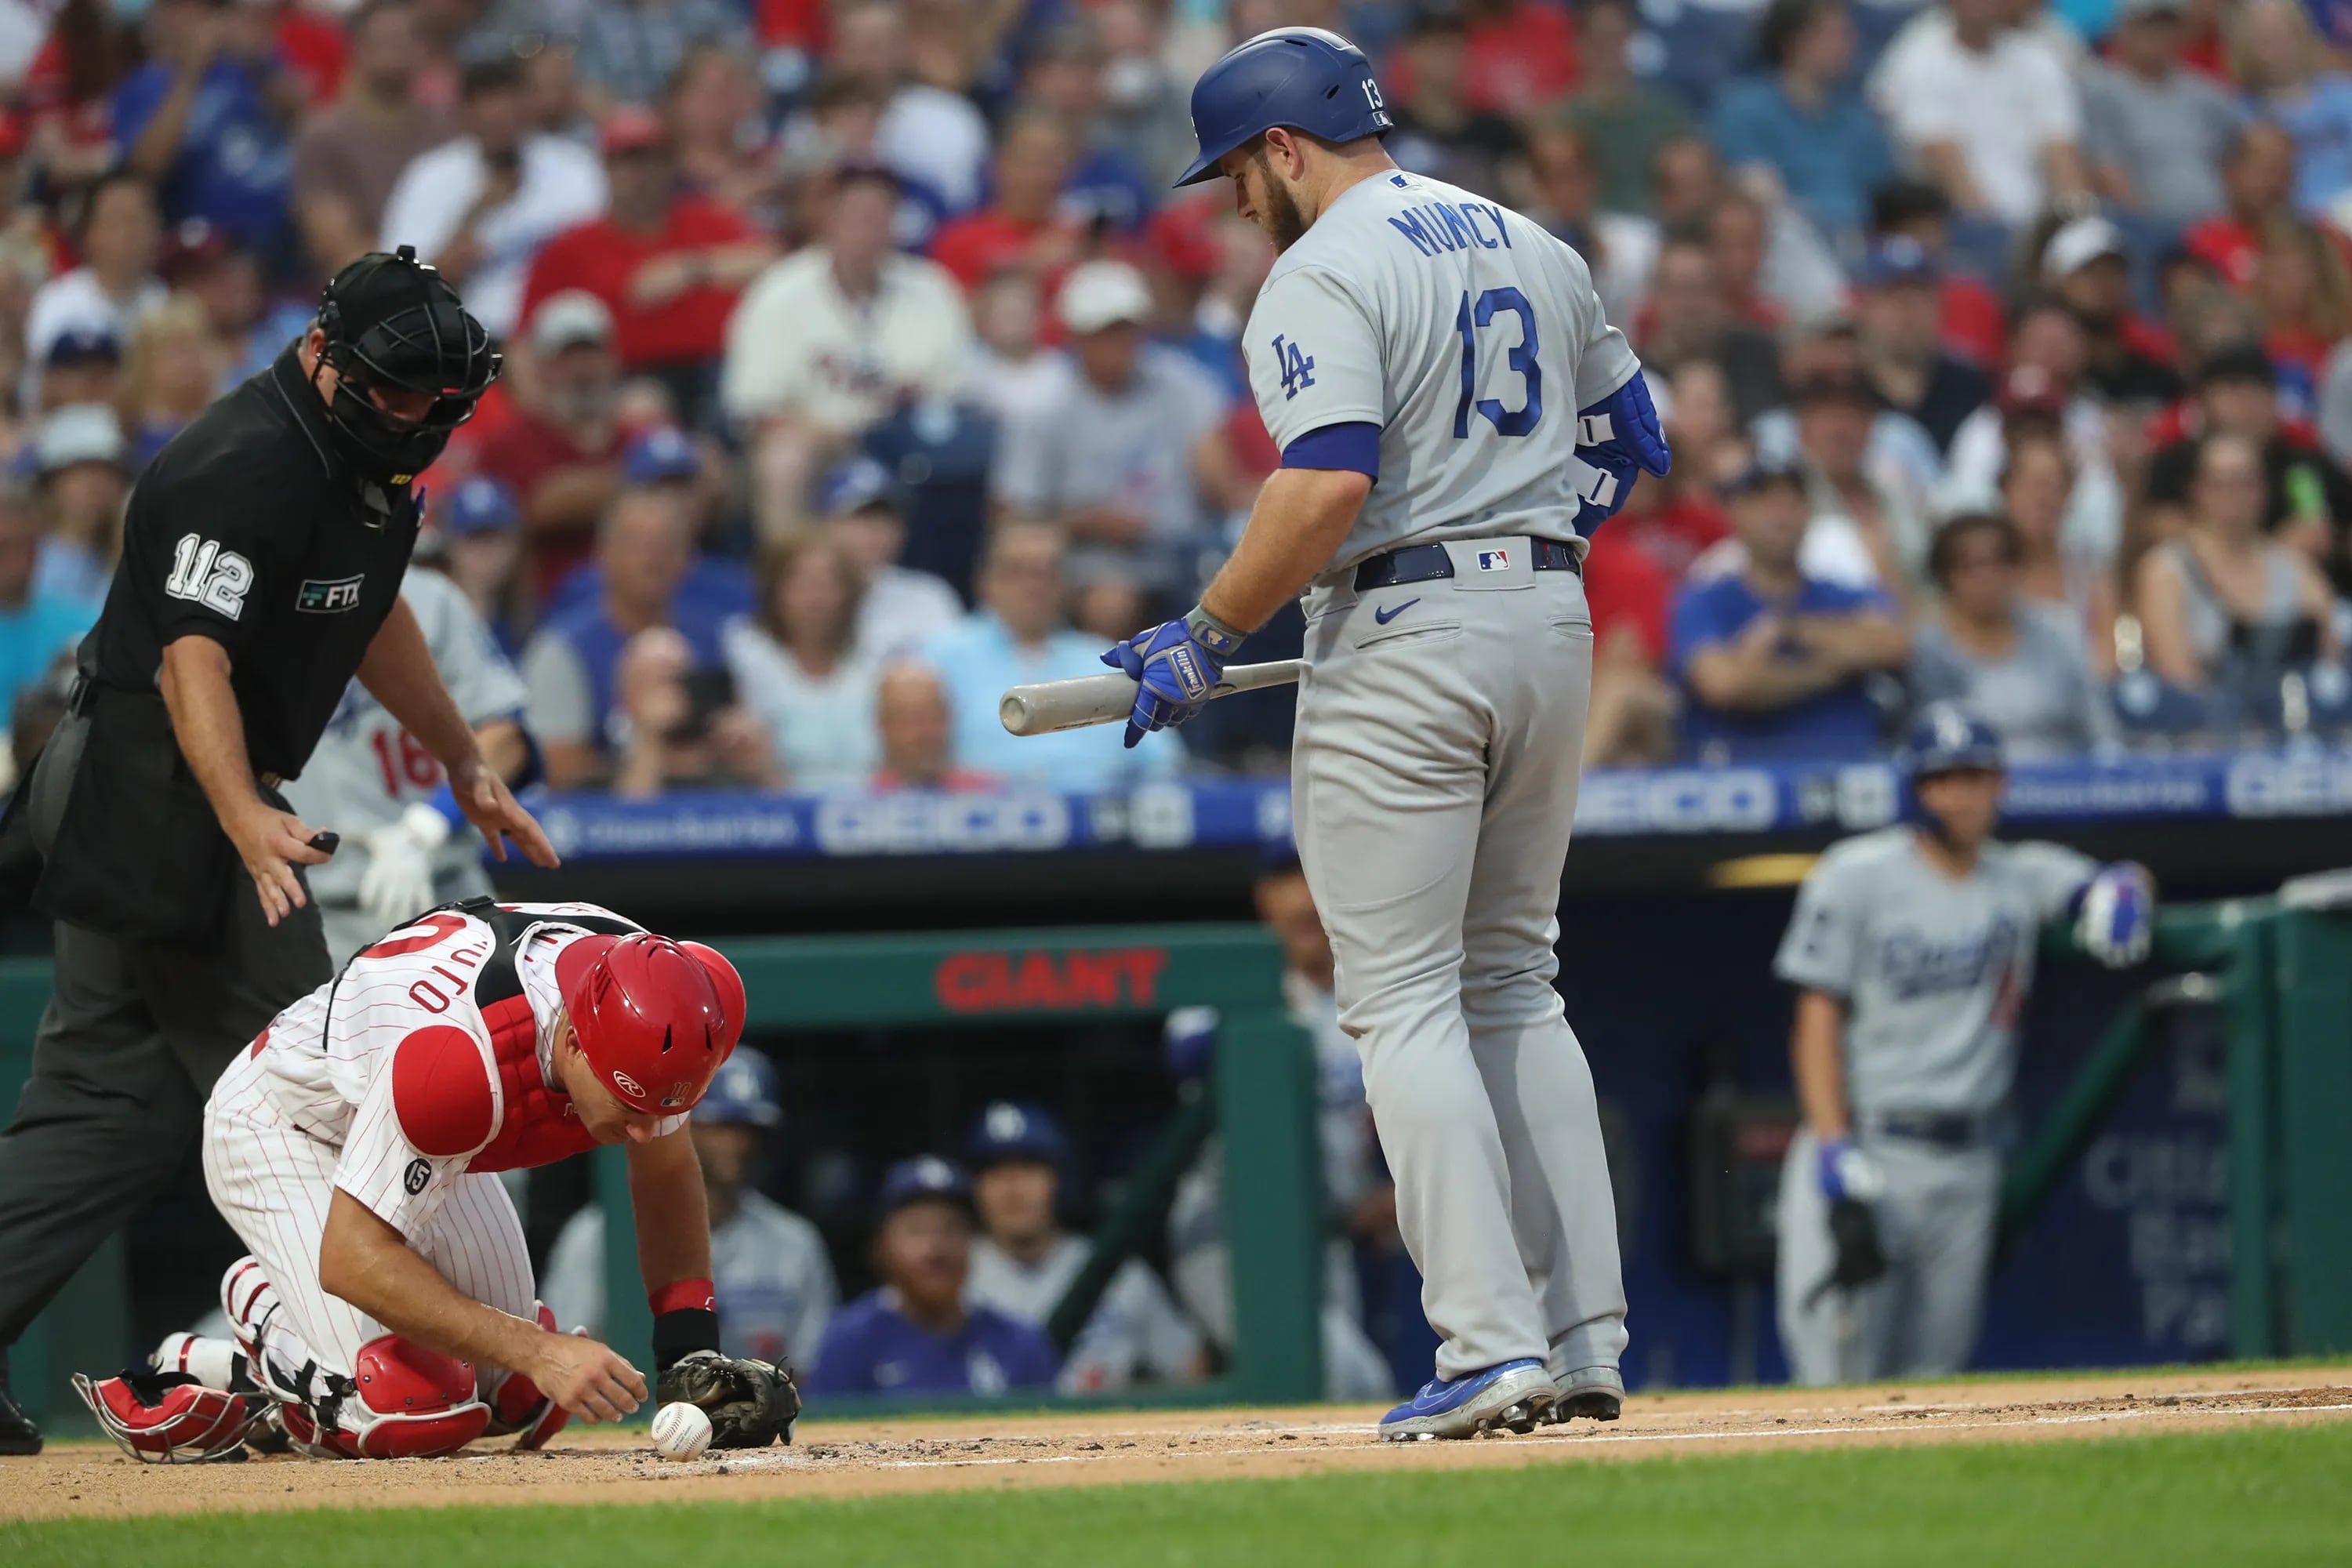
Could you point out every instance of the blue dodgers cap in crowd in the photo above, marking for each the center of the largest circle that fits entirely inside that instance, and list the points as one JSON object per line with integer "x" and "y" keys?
{"x": 1007, "y": 1131}
{"x": 924, "y": 1177}
{"x": 1764, "y": 471}
{"x": 661, "y": 453}
{"x": 83, "y": 345}
{"x": 481, "y": 505}
{"x": 1901, "y": 259}
{"x": 742, "y": 1093}
{"x": 858, "y": 485}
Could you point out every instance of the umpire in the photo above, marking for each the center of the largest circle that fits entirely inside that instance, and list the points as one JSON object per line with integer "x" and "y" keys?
{"x": 262, "y": 556}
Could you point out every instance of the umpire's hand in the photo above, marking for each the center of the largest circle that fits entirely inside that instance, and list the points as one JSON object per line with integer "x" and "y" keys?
{"x": 272, "y": 843}
{"x": 492, "y": 808}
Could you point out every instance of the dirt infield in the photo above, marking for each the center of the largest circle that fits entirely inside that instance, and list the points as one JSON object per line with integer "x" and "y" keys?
{"x": 844, "y": 1460}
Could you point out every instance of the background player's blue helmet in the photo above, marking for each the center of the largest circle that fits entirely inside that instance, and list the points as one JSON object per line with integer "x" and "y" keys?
{"x": 1006, "y": 1130}
{"x": 1947, "y": 738}
{"x": 1303, "y": 78}
{"x": 742, "y": 1093}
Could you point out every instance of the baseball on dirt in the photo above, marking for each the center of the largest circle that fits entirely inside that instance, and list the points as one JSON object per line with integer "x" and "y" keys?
{"x": 681, "y": 1431}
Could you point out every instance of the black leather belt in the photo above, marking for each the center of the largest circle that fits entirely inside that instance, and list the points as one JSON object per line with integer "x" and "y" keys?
{"x": 1427, "y": 563}
{"x": 1946, "y": 1130}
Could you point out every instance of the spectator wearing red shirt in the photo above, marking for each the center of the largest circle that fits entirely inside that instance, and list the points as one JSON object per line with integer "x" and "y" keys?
{"x": 1521, "y": 55}
{"x": 1631, "y": 716}
{"x": 560, "y": 452}
{"x": 667, "y": 264}
{"x": 2258, "y": 182}
{"x": 68, "y": 87}
{"x": 1021, "y": 226}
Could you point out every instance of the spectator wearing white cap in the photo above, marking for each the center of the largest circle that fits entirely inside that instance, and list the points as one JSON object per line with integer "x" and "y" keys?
{"x": 83, "y": 463}
{"x": 1110, "y": 459}
{"x": 832, "y": 339}
{"x": 864, "y": 509}
{"x": 2154, "y": 133}
{"x": 2124, "y": 359}
{"x": 562, "y": 451}
{"x": 480, "y": 206}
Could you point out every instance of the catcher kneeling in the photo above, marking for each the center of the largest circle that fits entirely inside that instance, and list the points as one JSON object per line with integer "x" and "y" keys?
{"x": 387, "y": 1309}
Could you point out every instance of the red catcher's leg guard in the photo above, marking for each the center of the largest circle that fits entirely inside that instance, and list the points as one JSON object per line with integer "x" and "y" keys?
{"x": 520, "y": 1408}
{"x": 408, "y": 1402}
{"x": 166, "y": 1418}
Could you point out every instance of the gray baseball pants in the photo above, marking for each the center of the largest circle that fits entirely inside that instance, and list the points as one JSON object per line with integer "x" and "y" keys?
{"x": 1433, "y": 780}
{"x": 1936, "y": 1227}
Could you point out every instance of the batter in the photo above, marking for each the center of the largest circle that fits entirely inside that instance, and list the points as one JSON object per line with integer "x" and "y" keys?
{"x": 1913, "y": 948}
{"x": 1454, "y": 413}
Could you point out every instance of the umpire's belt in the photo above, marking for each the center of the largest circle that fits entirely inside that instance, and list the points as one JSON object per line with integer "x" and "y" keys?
{"x": 1944, "y": 1128}
{"x": 1427, "y": 563}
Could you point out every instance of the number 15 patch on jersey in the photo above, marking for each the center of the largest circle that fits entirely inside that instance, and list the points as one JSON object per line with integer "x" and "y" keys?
{"x": 1297, "y": 369}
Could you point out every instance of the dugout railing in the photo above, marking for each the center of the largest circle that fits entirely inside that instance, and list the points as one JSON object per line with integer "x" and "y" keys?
{"x": 2279, "y": 968}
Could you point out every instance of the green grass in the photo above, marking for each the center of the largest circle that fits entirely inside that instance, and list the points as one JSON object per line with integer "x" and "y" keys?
{"x": 2271, "y": 1496}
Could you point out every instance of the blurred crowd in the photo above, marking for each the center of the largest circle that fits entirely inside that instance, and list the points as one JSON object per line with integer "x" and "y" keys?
{"x": 862, "y": 363}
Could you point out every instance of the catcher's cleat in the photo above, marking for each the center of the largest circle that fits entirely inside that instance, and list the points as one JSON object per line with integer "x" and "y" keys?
{"x": 167, "y": 1418}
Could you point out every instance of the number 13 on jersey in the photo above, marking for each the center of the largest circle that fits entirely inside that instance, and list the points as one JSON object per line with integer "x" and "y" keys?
{"x": 1480, "y": 313}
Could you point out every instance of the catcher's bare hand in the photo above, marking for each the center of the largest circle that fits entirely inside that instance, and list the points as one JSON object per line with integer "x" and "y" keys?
{"x": 750, "y": 1403}
{"x": 592, "y": 1381}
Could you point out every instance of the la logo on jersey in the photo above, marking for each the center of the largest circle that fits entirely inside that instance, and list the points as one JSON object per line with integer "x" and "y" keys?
{"x": 1494, "y": 561}
{"x": 1297, "y": 370}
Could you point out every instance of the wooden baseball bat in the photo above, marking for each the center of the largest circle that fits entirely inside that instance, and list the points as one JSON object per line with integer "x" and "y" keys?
{"x": 1043, "y": 707}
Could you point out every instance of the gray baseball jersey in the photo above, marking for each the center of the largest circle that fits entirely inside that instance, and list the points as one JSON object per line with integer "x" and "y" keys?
{"x": 768, "y": 1269}
{"x": 1447, "y": 321}
{"x": 367, "y": 769}
{"x": 1135, "y": 1329}
{"x": 1435, "y": 770}
{"x": 1934, "y": 972}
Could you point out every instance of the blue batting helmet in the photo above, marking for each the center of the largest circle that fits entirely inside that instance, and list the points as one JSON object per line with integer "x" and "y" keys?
{"x": 1302, "y": 77}
{"x": 1947, "y": 738}
{"x": 742, "y": 1093}
{"x": 1009, "y": 1131}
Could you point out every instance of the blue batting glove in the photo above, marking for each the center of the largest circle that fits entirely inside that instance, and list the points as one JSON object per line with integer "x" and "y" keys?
{"x": 1175, "y": 665}
{"x": 2114, "y": 915}
{"x": 1847, "y": 1172}
{"x": 1621, "y": 439}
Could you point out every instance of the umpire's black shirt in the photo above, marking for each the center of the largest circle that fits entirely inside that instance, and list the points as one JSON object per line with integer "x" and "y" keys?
{"x": 251, "y": 529}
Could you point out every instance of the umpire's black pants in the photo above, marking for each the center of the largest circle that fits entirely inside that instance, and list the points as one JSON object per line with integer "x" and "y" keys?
{"x": 134, "y": 1037}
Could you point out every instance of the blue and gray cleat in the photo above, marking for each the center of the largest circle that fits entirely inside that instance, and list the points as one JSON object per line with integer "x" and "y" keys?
{"x": 1596, "y": 1393}
{"x": 1515, "y": 1397}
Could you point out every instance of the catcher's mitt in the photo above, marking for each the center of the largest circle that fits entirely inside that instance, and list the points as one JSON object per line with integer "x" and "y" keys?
{"x": 750, "y": 1404}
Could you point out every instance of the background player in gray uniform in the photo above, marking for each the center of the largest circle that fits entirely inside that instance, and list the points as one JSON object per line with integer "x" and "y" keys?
{"x": 769, "y": 1270}
{"x": 370, "y": 781}
{"x": 1024, "y": 1263}
{"x": 1913, "y": 947}
{"x": 1453, "y": 410}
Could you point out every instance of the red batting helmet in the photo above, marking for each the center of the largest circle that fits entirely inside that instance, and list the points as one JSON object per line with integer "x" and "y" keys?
{"x": 652, "y": 1018}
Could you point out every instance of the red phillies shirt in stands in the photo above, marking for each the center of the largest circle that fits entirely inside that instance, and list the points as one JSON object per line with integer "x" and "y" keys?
{"x": 1625, "y": 587}
{"x": 526, "y": 453}
{"x": 1974, "y": 325}
{"x": 979, "y": 243}
{"x": 603, "y": 257}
